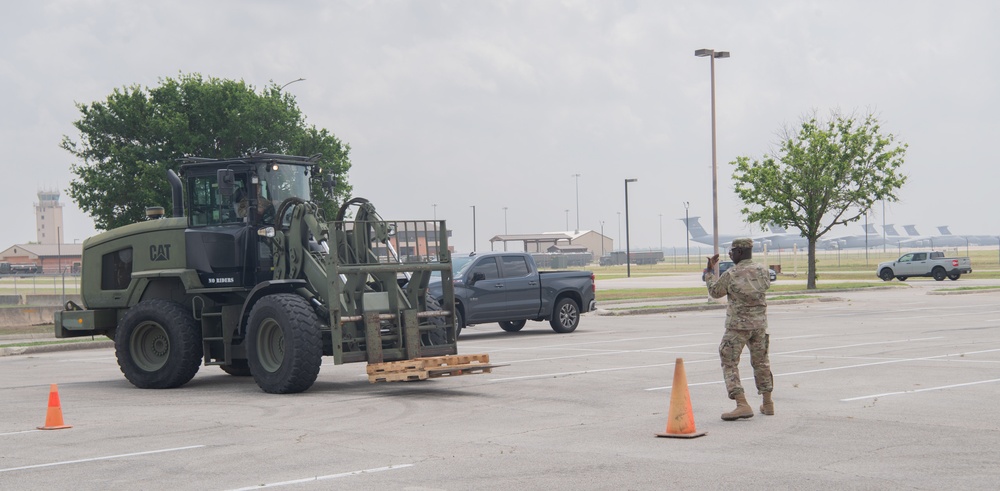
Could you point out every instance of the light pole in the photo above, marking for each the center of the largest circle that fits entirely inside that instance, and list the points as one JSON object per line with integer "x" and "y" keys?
{"x": 712, "y": 55}
{"x": 473, "y": 228}
{"x": 567, "y": 220}
{"x": 577, "y": 176}
{"x": 687, "y": 231}
{"x": 290, "y": 83}
{"x": 505, "y": 221}
{"x": 602, "y": 238}
{"x": 435, "y": 211}
{"x": 628, "y": 250}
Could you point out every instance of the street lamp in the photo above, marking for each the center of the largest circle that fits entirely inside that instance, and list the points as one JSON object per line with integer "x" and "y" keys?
{"x": 602, "y": 238}
{"x": 687, "y": 231}
{"x": 473, "y": 228}
{"x": 712, "y": 55}
{"x": 567, "y": 220}
{"x": 619, "y": 228}
{"x": 628, "y": 253}
{"x": 290, "y": 83}
{"x": 577, "y": 176}
{"x": 435, "y": 211}
{"x": 505, "y": 222}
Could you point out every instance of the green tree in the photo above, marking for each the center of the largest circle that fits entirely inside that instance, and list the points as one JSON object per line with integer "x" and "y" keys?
{"x": 830, "y": 173}
{"x": 128, "y": 141}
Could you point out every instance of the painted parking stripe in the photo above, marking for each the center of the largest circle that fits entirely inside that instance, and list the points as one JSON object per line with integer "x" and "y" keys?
{"x": 109, "y": 457}
{"x": 323, "y": 478}
{"x": 914, "y": 391}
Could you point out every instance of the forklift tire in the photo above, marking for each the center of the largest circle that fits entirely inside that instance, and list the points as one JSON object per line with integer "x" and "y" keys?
{"x": 565, "y": 317}
{"x": 158, "y": 345}
{"x": 438, "y": 335}
{"x": 284, "y": 344}
{"x": 238, "y": 368}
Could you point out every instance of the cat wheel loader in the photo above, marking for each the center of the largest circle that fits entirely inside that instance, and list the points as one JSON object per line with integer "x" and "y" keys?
{"x": 248, "y": 275}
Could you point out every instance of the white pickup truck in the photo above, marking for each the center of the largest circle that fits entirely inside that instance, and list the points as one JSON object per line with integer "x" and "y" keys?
{"x": 924, "y": 263}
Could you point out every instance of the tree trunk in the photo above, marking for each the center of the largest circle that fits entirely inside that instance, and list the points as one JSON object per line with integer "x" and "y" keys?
{"x": 811, "y": 277}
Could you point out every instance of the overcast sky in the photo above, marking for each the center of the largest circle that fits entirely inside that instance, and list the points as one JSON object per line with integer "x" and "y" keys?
{"x": 500, "y": 103}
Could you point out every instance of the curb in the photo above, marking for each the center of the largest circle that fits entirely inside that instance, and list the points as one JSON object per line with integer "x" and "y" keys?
{"x": 688, "y": 308}
{"x": 49, "y": 348}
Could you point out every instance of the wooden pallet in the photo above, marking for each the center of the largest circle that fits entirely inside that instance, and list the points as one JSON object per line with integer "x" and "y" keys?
{"x": 430, "y": 367}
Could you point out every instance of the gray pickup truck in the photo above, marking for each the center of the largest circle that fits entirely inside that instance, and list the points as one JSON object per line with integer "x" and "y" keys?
{"x": 508, "y": 288}
{"x": 924, "y": 263}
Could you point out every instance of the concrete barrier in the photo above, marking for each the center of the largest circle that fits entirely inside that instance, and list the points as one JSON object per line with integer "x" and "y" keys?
{"x": 27, "y": 316}
{"x": 55, "y": 300}
{"x": 10, "y": 300}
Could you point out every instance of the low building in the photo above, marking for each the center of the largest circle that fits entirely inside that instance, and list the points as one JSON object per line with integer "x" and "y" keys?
{"x": 42, "y": 258}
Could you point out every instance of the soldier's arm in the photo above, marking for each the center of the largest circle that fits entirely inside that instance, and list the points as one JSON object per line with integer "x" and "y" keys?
{"x": 717, "y": 287}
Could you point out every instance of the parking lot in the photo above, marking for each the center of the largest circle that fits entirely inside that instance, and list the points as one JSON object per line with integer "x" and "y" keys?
{"x": 883, "y": 389}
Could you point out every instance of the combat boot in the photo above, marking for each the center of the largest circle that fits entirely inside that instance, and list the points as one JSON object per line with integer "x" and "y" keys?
{"x": 743, "y": 409}
{"x": 768, "y": 406}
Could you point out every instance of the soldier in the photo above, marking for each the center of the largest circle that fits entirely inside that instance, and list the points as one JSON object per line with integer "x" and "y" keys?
{"x": 746, "y": 325}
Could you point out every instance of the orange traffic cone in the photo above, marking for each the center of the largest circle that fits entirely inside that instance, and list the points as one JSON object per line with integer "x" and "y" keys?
{"x": 54, "y": 419}
{"x": 680, "y": 419}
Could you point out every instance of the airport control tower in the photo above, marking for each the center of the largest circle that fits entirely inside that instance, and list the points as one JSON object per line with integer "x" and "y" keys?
{"x": 49, "y": 217}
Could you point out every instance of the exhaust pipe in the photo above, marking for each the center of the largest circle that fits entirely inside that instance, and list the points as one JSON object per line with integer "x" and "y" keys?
{"x": 176, "y": 192}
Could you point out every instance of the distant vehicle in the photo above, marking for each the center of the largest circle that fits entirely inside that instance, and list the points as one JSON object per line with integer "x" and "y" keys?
{"x": 724, "y": 265}
{"x": 620, "y": 257}
{"x": 15, "y": 268}
{"x": 924, "y": 263}
{"x": 508, "y": 288}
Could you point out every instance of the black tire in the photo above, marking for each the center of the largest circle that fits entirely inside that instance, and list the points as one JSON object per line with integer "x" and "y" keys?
{"x": 885, "y": 274}
{"x": 566, "y": 316}
{"x": 902, "y": 278}
{"x": 954, "y": 277}
{"x": 438, "y": 335}
{"x": 459, "y": 321}
{"x": 238, "y": 368}
{"x": 939, "y": 274}
{"x": 158, "y": 345}
{"x": 284, "y": 344}
{"x": 512, "y": 326}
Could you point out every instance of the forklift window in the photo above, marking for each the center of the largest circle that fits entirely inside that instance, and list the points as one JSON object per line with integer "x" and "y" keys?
{"x": 209, "y": 207}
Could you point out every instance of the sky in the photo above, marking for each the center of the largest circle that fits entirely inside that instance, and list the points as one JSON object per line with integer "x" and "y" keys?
{"x": 499, "y": 105}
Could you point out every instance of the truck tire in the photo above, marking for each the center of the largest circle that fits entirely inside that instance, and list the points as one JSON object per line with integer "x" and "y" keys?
{"x": 284, "y": 344}
{"x": 512, "y": 326}
{"x": 939, "y": 274}
{"x": 955, "y": 276}
{"x": 238, "y": 368}
{"x": 158, "y": 345}
{"x": 885, "y": 274}
{"x": 459, "y": 321}
{"x": 566, "y": 316}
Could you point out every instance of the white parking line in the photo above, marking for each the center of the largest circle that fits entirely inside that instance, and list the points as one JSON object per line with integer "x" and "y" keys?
{"x": 19, "y": 432}
{"x": 860, "y": 365}
{"x": 914, "y": 391}
{"x": 67, "y": 462}
{"x": 323, "y": 478}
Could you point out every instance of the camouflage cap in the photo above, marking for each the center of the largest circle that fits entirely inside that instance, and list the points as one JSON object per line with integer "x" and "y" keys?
{"x": 743, "y": 243}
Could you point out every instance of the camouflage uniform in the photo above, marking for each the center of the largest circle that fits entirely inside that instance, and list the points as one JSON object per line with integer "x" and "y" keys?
{"x": 746, "y": 321}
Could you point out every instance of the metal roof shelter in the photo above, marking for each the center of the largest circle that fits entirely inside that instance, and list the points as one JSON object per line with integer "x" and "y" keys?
{"x": 536, "y": 240}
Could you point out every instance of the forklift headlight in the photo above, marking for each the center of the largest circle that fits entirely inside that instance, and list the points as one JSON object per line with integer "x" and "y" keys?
{"x": 266, "y": 232}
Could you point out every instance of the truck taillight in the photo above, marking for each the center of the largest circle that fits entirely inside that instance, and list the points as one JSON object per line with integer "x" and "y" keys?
{"x": 954, "y": 263}
{"x": 593, "y": 285}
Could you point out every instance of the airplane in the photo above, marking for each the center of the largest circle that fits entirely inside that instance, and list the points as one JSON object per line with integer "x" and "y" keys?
{"x": 778, "y": 239}
{"x": 947, "y": 239}
{"x": 870, "y": 238}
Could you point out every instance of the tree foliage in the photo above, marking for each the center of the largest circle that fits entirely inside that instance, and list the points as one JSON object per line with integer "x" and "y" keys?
{"x": 829, "y": 173}
{"x": 129, "y": 140}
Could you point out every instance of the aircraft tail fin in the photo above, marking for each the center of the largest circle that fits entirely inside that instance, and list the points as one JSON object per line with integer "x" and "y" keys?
{"x": 695, "y": 228}
{"x": 778, "y": 229}
{"x": 911, "y": 230}
{"x": 890, "y": 230}
{"x": 870, "y": 229}
{"x": 944, "y": 230}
